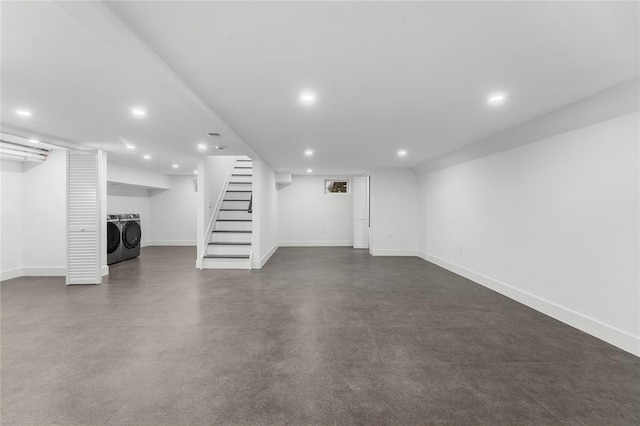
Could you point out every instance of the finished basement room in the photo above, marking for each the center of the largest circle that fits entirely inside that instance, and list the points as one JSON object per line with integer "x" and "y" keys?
{"x": 320, "y": 212}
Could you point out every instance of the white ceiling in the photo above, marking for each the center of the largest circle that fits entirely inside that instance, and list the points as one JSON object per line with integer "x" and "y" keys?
{"x": 389, "y": 75}
{"x": 80, "y": 70}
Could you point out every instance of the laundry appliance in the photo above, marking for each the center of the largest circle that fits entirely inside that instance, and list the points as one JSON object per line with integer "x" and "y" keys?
{"x": 131, "y": 234}
{"x": 114, "y": 244}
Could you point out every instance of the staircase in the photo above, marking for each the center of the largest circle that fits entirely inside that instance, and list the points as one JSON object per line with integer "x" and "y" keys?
{"x": 229, "y": 244}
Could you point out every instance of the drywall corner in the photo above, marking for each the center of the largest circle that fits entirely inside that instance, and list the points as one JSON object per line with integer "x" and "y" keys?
{"x": 259, "y": 263}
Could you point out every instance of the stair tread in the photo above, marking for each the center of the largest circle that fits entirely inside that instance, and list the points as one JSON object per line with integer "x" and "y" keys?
{"x": 227, "y": 199}
{"x": 238, "y": 190}
{"x": 226, "y": 256}
{"x": 234, "y": 210}
{"x": 243, "y": 160}
{"x": 235, "y": 232}
{"x": 234, "y": 220}
{"x": 229, "y": 244}
{"x": 242, "y": 167}
{"x": 241, "y": 183}
{"x": 238, "y": 174}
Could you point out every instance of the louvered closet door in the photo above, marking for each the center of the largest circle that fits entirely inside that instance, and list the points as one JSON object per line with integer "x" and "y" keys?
{"x": 83, "y": 250}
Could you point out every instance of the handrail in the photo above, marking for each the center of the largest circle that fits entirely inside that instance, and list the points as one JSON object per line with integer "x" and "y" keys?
{"x": 216, "y": 209}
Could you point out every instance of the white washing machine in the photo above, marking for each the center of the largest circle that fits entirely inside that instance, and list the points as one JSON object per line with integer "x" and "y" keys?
{"x": 131, "y": 234}
{"x": 114, "y": 243}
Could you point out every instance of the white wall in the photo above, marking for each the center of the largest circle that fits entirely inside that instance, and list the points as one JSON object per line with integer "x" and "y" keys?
{"x": 168, "y": 217}
{"x": 217, "y": 169}
{"x": 44, "y": 215}
{"x": 122, "y": 199}
{"x": 173, "y": 218}
{"x": 265, "y": 214}
{"x": 167, "y": 204}
{"x": 309, "y": 217}
{"x": 552, "y": 224}
{"x": 394, "y": 212}
{"x": 11, "y": 220}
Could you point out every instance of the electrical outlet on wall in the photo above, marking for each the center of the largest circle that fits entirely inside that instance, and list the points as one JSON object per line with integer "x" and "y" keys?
{"x": 390, "y": 236}
{"x": 324, "y": 230}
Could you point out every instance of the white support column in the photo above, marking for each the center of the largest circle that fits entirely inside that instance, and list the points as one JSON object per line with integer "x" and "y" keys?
{"x": 360, "y": 193}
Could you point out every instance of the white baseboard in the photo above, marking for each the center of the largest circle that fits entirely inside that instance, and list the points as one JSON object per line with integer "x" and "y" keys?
{"x": 40, "y": 272}
{"x": 608, "y": 333}
{"x": 316, "y": 244}
{"x": 10, "y": 274}
{"x": 392, "y": 252}
{"x": 51, "y": 271}
{"x": 169, "y": 243}
{"x": 259, "y": 263}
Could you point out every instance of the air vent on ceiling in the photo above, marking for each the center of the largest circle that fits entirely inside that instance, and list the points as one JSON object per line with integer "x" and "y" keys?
{"x": 215, "y": 135}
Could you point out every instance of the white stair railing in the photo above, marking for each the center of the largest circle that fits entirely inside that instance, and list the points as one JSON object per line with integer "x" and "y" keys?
{"x": 214, "y": 214}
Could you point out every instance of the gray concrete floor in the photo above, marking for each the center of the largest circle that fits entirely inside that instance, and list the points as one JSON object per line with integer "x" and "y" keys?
{"x": 319, "y": 336}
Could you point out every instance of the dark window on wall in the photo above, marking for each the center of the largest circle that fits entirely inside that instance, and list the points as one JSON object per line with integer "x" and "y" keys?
{"x": 336, "y": 186}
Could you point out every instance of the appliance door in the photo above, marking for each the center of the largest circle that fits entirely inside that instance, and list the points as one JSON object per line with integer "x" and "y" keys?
{"x": 131, "y": 234}
{"x": 113, "y": 237}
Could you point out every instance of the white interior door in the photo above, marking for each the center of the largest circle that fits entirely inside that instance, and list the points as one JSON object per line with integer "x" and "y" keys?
{"x": 361, "y": 212}
{"x": 83, "y": 218}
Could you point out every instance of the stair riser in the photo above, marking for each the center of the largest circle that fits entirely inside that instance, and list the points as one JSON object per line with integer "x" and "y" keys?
{"x": 244, "y": 164}
{"x": 240, "y": 179}
{"x": 225, "y": 263}
{"x": 241, "y": 187}
{"x": 237, "y": 171}
{"x": 234, "y": 215}
{"x": 228, "y": 250}
{"x": 244, "y": 205}
{"x": 230, "y": 238}
{"x": 233, "y": 226}
{"x": 242, "y": 196}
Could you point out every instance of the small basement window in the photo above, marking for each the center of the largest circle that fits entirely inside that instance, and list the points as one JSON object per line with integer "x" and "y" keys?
{"x": 336, "y": 186}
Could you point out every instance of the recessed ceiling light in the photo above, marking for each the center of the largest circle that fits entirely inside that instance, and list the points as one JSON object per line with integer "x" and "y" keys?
{"x": 175, "y": 166}
{"x": 308, "y": 152}
{"x": 309, "y": 170}
{"x": 129, "y": 146}
{"x": 138, "y": 112}
{"x": 23, "y": 113}
{"x": 34, "y": 141}
{"x": 402, "y": 153}
{"x": 202, "y": 146}
{"x": 496, "y": 98}
{"x": 146, "y": 157}
{"x": 307, "y": 97}
{"x": 195, "y": 172}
